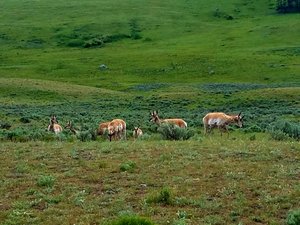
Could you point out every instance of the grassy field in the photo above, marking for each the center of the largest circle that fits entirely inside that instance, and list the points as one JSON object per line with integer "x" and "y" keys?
{"x": 184, "y": 58}
{"x": 213, "y": 181}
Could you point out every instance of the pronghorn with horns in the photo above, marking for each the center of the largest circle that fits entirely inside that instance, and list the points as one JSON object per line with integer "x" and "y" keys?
{"x": 178, "y": 122}
{"x": 71, "y": 128}
{"x": 116, "y": 129}
{"x": 221, "y": 120}
{"x": 54, "y": 126}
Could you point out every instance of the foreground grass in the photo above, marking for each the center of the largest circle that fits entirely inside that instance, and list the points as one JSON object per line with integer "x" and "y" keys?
{"x": 212, "y": 180}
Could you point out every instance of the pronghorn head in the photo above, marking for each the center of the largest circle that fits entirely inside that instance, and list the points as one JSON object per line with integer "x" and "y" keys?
{"x": 239, "y": 119}
{"x": 154, "y": 117}
{"x": 53, "y": 119}
{"x": 69, "y": 125}
{"x": 111, "y": 132}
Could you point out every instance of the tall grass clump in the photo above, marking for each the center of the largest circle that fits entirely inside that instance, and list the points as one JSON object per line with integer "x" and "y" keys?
{"x": 173, "y": 132}
{"x": 131, "y": 220}
{"x": 45, "y": 181}
{"x": 163, "y": 197}
{"x": 128, "y": 166}
{"x": 282, "y": 130}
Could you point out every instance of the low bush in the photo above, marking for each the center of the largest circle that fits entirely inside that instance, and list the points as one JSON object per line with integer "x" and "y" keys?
{"x": 281, "y": 130}
{"x": 128, "y": 166}
{"x": 5, "y": 125}
{"x": 173, "y": 132}
{"x": 163, "y": 197}
{"x": 24, "y": 120}
{"x": 45, "y": 181}
{"x": 18, "y": 135}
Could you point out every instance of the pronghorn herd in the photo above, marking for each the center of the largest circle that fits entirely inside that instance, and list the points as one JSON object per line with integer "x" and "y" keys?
{"x": 116, "y": 129}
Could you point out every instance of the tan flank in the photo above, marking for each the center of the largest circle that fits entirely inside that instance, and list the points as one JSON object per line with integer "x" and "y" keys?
{"x": 221, "y": 120}
{"x": 178, "y": 122}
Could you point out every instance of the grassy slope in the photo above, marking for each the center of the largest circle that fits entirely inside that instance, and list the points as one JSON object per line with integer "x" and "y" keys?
{"x": 185, "y": 42}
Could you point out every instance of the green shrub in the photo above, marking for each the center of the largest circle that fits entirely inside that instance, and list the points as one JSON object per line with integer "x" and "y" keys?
{"x": 163, "y": 197}
{"x": 173, "y": 132}
{"x": 18, "y": 135}
{"x": 128, "y": 166}
{"x": 278, "y": 135}
{"x": 293, "y": 217}
{"x": 281, "y": 130}
{"x": 5, "y": 125}
{"x": 24, "y": 120}
{"x": 94, "y": 42}
{"x": 132, "y": 220}
{"x": 85, "y": 136}
{"x": 45, "y": 181}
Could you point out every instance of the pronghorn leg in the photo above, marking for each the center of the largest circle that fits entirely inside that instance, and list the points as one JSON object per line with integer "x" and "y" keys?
{"x": 220, "y": 129}
{"x": 226, "y": 130}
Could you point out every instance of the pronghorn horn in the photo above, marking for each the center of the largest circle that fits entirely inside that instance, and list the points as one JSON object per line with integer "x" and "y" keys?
{"x": 240, "y": 114}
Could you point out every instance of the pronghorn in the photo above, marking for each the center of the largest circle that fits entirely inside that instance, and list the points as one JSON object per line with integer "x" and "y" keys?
{"x": 54, "y": 126}
{"x": 116, "y": 128}
{"x": 221, "y": 120}
{"x": 71, "y": 128}
{"x": 137, "y": 132}
{"x": 102, "y": 128}
{"x": 179, "y": 122}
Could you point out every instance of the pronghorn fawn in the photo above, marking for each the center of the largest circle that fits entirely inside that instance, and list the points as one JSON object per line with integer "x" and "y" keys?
{"x": 102, "y": 128}
{"x": 54, "y": 126}
{"x": 137, "y": 132}
{"x": 221, "y": 121}
{"x": 71, "y": 128}
{"x": 178, "y": 122}
{"x": 116, "y": 129}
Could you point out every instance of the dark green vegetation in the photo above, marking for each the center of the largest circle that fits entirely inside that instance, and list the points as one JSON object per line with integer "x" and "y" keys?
{"x": 287, "y": 6}
{"x": 91, "y": 61}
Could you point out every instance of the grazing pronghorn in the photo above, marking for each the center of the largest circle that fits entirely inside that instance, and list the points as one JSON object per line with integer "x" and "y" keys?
{"x": 71, "y": 128}
{"x": 137, "y": 132}
{"x": 116, "y": 128}
{"x": 54, "y": 126}
{"x": 221, "y": 120}
{"x": 179, "y": 122}
{"x": 102, "y": 128}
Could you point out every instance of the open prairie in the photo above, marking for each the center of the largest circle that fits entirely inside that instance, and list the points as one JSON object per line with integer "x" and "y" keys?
{"x": 93, "y": 61}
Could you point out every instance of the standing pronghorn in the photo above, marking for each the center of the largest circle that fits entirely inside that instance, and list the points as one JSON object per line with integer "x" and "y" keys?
{"x": 54, "y": 126}
{"x": 137, "y": 132}
{"x": 221, "y": 120}
{"x": 179, "y": 122}
{"x": 71, "y": 128}
{"x": 102, "y": 128}
{"x": 116, "y": 128}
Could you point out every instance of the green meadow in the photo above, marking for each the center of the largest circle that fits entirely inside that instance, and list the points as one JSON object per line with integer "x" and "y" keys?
{"x": 92, "y": 61}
